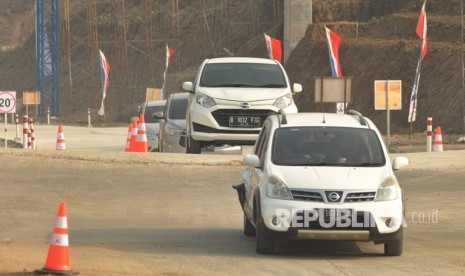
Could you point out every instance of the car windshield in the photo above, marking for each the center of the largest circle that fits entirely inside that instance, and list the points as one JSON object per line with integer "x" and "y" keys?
{"x": 243, "y": 75}
{"x": 327, "y": 146}
{"x": 178, "y": 108}
{"x": 149, "y": 110}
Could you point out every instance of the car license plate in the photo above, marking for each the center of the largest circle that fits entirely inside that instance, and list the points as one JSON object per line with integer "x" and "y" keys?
{"x": 244, "y": 121}
{"x": 335, "y": 214}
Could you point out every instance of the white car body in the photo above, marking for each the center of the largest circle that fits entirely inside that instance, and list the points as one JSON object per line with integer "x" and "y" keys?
{"x": 211, "y": 125}
{"x": 310, "y": 186}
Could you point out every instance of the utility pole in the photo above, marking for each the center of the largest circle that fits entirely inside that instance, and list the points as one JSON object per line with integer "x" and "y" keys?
{"x": 462, "y": 50}
{"x": 48, "y": 55}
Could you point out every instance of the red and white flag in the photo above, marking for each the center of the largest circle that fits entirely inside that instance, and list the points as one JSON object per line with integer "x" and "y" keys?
{"x": 333, "y": 46}
{"x": 422, "y": 34}
{"x": 273, "y": 46}
{"x": 169, "y": 54}
{"x": 422, "y": 29}
{"x": 105, "y": 65}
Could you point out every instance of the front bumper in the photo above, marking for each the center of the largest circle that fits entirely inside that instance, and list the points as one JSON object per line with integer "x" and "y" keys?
{"x": 375, "y": 228}
{"x": 211, "y": 124}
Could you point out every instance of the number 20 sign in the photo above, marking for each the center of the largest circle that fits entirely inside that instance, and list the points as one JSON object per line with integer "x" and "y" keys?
{"x": 7, "y": 101}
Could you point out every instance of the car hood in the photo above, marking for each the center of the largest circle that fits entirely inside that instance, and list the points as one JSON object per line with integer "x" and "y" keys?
{"x": 244, "y": 94}
{"x": 351, "y": 178}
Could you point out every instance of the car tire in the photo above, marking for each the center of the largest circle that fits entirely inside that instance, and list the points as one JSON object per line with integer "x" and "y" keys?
{"x": 265, "y": 244}
{"x": 193, "y": 146}
{"x": 394, "y": 247}
{"x": 249, "y": 229}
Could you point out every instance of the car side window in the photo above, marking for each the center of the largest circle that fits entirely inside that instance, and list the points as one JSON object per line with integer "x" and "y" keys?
{"x": 262, "y": 144}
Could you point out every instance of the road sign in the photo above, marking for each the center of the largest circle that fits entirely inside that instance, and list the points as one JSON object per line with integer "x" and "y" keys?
{"x": 7, "y": 101}
{"x": 394, "y": 93}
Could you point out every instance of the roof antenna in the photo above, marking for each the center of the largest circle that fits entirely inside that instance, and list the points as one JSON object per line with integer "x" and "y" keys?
{"x": 324, "y": 119}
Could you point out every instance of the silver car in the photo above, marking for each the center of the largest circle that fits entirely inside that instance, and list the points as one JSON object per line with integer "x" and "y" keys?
{"x": 151, "y": 123}
{"x": 172, "y": 131}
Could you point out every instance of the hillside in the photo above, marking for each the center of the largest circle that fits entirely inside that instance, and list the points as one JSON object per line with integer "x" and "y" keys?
{"x": 386, "y": 48}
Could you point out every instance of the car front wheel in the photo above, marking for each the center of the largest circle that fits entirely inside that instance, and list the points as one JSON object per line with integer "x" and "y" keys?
{"x": 193, "y": 146}
{"x": 265, "y": 244}
{"x": 394, "y": 247}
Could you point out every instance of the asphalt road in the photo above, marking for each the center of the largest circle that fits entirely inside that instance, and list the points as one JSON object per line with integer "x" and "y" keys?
{"x": 175, "y": 214}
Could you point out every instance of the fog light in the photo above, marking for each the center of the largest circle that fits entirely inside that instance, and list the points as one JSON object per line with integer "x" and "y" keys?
{"x": 390, "y": 222}
{"x": 276, "y": 221}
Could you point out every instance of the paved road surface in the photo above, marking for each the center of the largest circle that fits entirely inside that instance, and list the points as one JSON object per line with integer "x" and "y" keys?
{"x": 174, "y": 214}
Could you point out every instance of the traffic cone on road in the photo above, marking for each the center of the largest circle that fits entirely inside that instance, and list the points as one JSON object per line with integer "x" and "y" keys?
{"x": 128, "y": 139}
{"x": 58, "y": 254}
{"x": 141, "y": 138}
{"x": 437, "y": 145}
{"x": 60, "y": 139}
{"x": 132, "y": 146}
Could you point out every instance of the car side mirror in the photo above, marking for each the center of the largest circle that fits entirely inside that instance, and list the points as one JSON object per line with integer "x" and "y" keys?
{"x": 296, "y": 88}
{"x": 399, "y": 163}
{"x": 251, "y": 160}
{"x": 188, "y": 86}
{"x": 158, "y": 115}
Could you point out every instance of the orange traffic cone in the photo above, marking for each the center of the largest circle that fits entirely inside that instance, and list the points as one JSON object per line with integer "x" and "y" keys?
{"x": 141, "y": 138}
{"x": 437, "y": 145}
{"x": 60, "y": 139}
{"x": 132, "y": 147}
{"x": 58, "y": 254}
{"x": 128, "y": 139}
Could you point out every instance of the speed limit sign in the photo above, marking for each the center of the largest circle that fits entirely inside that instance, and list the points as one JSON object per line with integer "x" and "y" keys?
{"x": 7, "y": 101}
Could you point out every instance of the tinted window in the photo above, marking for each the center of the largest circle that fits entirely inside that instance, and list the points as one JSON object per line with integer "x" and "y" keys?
{"x": 178, "y": 108}
{"x": 149, "y": 110}
{"x": 332, "y": 146}
{"x": 242, "y": 75}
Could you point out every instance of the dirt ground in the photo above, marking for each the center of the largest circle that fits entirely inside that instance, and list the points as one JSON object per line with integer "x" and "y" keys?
{"x": 176, "y": 214}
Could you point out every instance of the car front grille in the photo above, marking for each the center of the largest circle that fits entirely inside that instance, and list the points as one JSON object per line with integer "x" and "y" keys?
{"x": 307, "y": 196}
{"x": 222, "y": 115}
{"x": 360, "y": 197}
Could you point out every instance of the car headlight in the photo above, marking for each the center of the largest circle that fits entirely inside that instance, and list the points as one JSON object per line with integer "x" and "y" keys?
{"x": 175, "y": 131}
{"x": 283, "y": 101}
{"x": 275, "y": 188}
{"x": 387, "y": 190}
{"x": 205, "y": 100}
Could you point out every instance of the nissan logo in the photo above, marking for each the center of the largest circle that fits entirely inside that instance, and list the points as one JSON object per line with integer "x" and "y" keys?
{"x": 245, "y": 105}
{"x": 333, "y": 196}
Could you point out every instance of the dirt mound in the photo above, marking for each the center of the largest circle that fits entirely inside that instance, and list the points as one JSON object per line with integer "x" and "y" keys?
{"x": 378, "y": 42}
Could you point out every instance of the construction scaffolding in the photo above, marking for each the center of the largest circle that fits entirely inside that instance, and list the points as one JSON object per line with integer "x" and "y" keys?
{"x": 133, "y": 35}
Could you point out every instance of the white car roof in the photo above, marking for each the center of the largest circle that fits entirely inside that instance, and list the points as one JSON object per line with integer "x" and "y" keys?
{"x": 156, "y": 103}
{"x": 323, "y": 120}
{"x": 241, "y": 60}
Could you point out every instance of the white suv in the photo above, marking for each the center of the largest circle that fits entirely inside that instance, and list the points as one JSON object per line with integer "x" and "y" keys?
{"x": 322, "y": 176}
{"x": 231, "y": 98}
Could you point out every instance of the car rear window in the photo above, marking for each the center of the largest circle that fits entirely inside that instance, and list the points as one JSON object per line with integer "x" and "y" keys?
{"x": 243, "y": 75}
{"x": 178, "y": 108}
{"x": 329, "y": 146}
{"x": 149, "y": 110}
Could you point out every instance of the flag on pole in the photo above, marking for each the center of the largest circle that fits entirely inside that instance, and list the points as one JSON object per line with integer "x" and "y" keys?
{"x": 422, "y": 34}
{"x": 421, "y": 31}
{"x": 169, "y": 54}
{"x": 105, "y": 80}
{"x": 333, "y": 46}
{"x": 273, "y": 46}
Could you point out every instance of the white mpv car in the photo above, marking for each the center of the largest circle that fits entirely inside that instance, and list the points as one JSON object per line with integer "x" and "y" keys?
{"x": 231, "y": 98}
{"x": 322, "y": 176}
